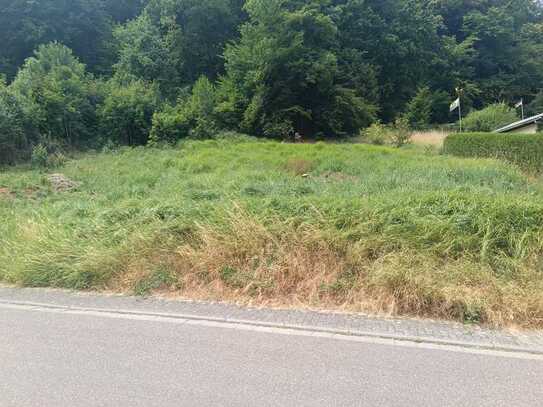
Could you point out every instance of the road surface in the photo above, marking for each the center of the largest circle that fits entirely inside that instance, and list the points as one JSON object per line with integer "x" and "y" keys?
{"x": 60, "y": 357}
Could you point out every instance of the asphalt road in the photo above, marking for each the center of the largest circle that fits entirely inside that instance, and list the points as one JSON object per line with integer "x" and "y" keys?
{"x": 57, "y": 358}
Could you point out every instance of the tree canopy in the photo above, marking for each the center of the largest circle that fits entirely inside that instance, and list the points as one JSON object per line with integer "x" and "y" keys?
{"x": 323, "y": 68}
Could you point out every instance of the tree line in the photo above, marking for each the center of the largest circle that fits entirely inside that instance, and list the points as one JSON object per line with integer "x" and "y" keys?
{"x": 89, "y": 73}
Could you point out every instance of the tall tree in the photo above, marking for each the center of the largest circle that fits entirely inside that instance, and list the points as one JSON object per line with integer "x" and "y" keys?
{"x": 176, "y": 41}
{"x": 83, "y": 25}
{"x": 57, "y": 93}
{"x": 287, "y": 76}
{"x": 507, "y": 44}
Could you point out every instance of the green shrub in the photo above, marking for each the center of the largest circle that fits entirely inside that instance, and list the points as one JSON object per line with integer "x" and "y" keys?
{"x": 400, "y": 132}
{"x": 48, "y": 153}
{"x": 397, "y": 134}
{"x": 536, "y": 107}
{"x": 427, "y": 107}
{"x": 57, "y": 93}
{"x": 39, "y": 156}
{"x": 419, "y": 109}
{"x": 200, "y": 109}
{"x": 15, "y": 128}
{"x": 169, "y": 125}
{"x": 194, "y": 116}
{"x": 490, "y": 118}
{"x": 127, "y": 111}
{"x": 377, "y": 134}
{"x": 524, "y": 150}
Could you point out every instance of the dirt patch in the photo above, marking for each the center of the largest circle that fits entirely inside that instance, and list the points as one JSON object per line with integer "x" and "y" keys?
{"x": 6, "y": 193}
{"x": 61, "y": 183}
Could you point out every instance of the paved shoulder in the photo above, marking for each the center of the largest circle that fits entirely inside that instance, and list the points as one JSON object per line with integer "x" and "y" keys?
{"x": 408, "y": 330}
{"x": 65, "y": 349}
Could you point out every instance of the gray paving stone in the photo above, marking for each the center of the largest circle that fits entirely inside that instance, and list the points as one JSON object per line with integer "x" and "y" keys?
{"x": 348, "y": 323}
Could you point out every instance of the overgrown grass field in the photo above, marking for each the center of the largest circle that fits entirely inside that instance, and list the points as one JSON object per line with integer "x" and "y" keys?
{"x": 343, "y": 226}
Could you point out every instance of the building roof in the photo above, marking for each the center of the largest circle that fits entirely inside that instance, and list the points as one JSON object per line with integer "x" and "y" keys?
{"x": 520, "y": 123}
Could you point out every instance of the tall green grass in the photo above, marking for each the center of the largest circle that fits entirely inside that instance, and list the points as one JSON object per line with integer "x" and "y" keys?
{"x": 356, "y": 226}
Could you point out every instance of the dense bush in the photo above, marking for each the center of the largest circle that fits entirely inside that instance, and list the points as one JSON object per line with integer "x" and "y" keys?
{"x": 524, "y": 150}
{"x": 377, "y": 134}
{"x": 194, "y": 115}
{"x": 400, "y": 132}
{"x": 397, "y": 134}
{"x": 536, "y": 107}
{"x": 174, "y": 42}
{"x": 58, "y": 94}
{"x": 490, "y": 118}
{"x": 126, "y": 113}
{"x": 427, "y": 107}
{"x": 200, "y": 109}
{"x": 15, "y": 128}
{"x": 288, "y": 77}
{"x": 419, "y": 110}
{"x": 169, "y": 125}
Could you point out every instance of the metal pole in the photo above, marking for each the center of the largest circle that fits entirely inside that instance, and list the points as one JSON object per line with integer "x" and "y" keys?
{"x": 459, "y": 92}
{"x": 460, "y": 112}
{"x": 522, "y": 107}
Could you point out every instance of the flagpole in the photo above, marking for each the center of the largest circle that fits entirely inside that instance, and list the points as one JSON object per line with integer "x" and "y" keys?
{"x": 459, "y": 92}
{"x": 460, "y": 112}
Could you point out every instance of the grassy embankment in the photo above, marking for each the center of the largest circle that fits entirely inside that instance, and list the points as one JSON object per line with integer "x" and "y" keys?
{"x": 338, "y": 226}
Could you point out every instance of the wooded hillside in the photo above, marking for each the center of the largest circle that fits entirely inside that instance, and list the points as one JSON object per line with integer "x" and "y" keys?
{"x": 92, "y": 72}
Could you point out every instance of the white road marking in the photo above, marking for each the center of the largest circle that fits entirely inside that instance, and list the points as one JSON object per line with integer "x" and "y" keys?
{"x": 254, "y": 326}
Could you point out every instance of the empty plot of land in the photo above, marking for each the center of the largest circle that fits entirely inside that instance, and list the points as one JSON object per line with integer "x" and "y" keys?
{"x": 334, "y": 226}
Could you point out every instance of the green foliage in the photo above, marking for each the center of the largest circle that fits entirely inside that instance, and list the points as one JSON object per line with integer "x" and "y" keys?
{"x": 419, "y": 109}
{"x": 506, "y": 42}
{"x": 126, "y": 113}
{"x": 16, "y": 132}
{"x": 169, "y": 125}
{"x": 83, "y": 25}
{"x": 490, "y": 118}
{"x": 57, "y": 94}
{"x": 397, "y": 134}
{"x": 39, "y": 156}
{"x": 174, "y": 42}
{"x": 377, "y": 134}
{"x": 144, "y": 54}
{"x": 401, "y": 132}
{"x": 287, "y": 75}
{"x": 193, "y": 115}
{"x": 536, "y": 107}
{"x": 324, "y": 69}
{"x": 524, "y": 150}
{"x": 200, "y": 109}
{"x": 48, "y": 153}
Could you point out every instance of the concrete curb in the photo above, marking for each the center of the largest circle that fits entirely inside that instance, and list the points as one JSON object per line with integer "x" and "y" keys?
{"x": 301, "y": 328}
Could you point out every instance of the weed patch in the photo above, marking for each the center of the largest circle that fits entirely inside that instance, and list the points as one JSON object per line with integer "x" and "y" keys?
{"x": 299, "y": 166}
{"x": 372, "y": 229}
{"x": 160, "y": 279}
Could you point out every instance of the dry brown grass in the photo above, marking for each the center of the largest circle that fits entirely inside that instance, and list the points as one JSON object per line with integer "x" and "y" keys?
{"x": 429, "y": 138}
{"x": 299, "y": 166}
{"x": 288, "y": 265}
